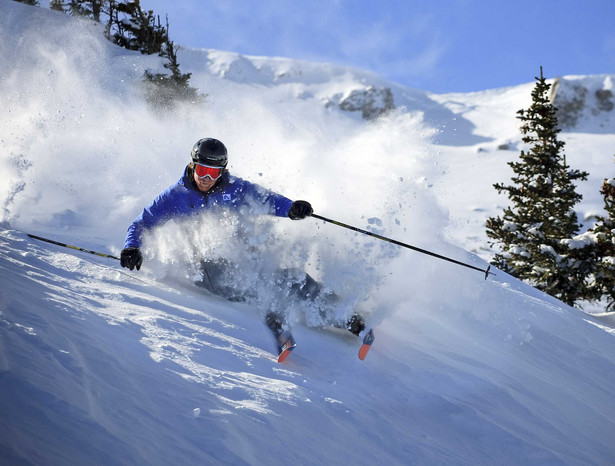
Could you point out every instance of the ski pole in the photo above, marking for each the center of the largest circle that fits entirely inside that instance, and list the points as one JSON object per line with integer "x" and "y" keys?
{"x": 72, "y": 247}
{"x": 399, "y": 243}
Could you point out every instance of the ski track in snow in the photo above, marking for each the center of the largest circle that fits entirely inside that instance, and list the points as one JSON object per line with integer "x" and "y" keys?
{"x": 428, "y": 401}
{"x": 177, "y": 336}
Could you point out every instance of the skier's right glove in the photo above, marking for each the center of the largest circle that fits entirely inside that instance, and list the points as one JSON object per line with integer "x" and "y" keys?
{"x": 131, "y": 258}
{"x": 299, "y": 210}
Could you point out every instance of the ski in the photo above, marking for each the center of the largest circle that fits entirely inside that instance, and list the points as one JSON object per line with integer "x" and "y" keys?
{"x": 368, "y": 339}
{"x": 286, "y": 343}
{"x": 284, "y": 339}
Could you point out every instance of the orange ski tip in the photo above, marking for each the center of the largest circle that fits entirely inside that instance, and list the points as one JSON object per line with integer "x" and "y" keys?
{"x": 363, "y": 351}
{"x": 367, "y": 344}
{"x": 283, "y": 355}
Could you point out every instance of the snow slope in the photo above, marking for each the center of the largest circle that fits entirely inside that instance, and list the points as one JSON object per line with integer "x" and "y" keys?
{"x": 102, "y": 367}
{"x": 99, "y": 365}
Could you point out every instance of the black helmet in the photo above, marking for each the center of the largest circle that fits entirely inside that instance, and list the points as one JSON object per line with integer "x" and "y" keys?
{"x": 209, "y": 151}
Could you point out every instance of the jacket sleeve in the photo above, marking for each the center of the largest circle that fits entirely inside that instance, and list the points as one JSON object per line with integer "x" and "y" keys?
{"x": 275, "y": 203}
{"x": 162, "y": 208}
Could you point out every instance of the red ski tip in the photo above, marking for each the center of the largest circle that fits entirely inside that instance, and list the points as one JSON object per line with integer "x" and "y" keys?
{"x": 367, "y": 344}
{"x": 286, "y": 348}
{"x": 284, "y": 354}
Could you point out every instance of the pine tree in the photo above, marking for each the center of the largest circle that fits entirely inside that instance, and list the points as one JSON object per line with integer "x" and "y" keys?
{"x": 86, "y": 8}
{"x": 57, "y": 5}
{"x": 131, "y": 27}
{"x": 532, "y": 233}
{"x": 137, "y": 29}
{"x": 126, "y": 23}
{"x": 162, "y": 90}
{"x": 604, "y": 248}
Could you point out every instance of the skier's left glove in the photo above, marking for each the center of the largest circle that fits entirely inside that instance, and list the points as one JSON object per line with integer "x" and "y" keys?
{"x": 299, "y": 210}
{"x": 131, "y": 258}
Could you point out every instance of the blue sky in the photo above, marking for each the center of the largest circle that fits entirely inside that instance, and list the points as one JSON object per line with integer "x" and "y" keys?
{"x": 437, "y": 45}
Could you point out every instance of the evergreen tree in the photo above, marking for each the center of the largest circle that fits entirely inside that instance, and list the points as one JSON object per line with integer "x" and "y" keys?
{"x": 162, "y": 90}
{"x": 57, "y": 5}
{"x": 604, "y": 248}
{"x": 127, "y": 24}
{"x": 85, "y": 8}
{"x": 137, "y": 29}
{"x": 88, "y": 8}
{"x": 532, "y": 233}
{"x": 131, "y": 27}
{"x": 28, "y": 2}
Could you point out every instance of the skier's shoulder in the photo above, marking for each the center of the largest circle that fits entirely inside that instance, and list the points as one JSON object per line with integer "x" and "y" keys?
{"x": 233, "y": 181}
{"x": 176, "y": 195}
{"x": 173, "y": 191}
{"x": 238, "y": 184}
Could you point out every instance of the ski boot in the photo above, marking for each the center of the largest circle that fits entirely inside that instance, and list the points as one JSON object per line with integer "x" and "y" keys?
{"x": 356, "y": 324}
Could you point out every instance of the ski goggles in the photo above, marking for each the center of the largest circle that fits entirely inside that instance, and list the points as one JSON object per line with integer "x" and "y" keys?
{"x": 205, "y": 171}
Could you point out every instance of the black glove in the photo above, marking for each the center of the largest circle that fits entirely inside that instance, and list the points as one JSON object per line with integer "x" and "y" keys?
{"x": 131, "y": 258}
{"x": 299, "y": 210}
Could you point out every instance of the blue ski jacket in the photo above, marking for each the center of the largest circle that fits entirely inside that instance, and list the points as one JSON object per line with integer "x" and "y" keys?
{"x": 183, "y": 198}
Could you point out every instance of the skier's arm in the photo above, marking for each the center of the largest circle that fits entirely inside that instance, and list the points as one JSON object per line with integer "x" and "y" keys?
{"x": 157, "y": 212}
{"x": 279, "y": 205}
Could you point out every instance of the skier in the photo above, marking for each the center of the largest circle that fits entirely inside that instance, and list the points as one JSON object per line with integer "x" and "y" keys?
{"x": 205, "y": 186}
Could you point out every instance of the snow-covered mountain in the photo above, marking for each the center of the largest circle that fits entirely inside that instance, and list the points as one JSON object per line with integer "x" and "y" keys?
{"x": 99, "y": 365}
